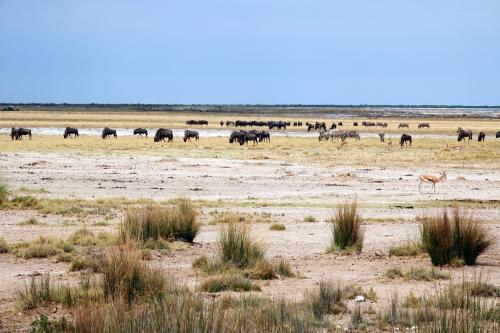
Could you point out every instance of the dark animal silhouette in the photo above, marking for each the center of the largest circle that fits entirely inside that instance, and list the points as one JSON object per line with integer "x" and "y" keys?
{"x": 368, "y": 123}
{"x": 497, "y": 135}
{"x": 188, "y": 134}
{"x": 17, "y": 133}
{"x": 405, "y": 139}
{"x": 108, "y": 132}
{"x": 424, "y": 125}
{"x": 278, "y": 124}
{"x": 382, "y": 125}
{"x": 141, "y": 132}
{"x": 235, "y": 136}
{"x": 221, "y": 123}
{"x": 264, "y": 136}
{"x": 229, "y": 123}
{"x": 481, "y": 137}
{"x": 162, "y": 134}
{"x": 462, "y": 134}
{"x": 381, "y": 135}
{"x": 403, "y": 125}
{"x": 69, "y": 131}
{"x": 310, "y": 127}
{"x": 355, "y": 123}
{"x": 334, "y": 126}
{"x": 248, "y": 136}
{"x": 197, "y": 122}
{"x": 341, "y": 123}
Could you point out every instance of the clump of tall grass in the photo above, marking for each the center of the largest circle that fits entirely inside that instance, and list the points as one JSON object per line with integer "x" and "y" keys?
{"x": 309, "y": 218}
{"x": 448, "y": 236}
{"x": 151, "y": 223}
{"x": 328, "y": 298}
{"x": 31, "y": 221}
{"x": 236, "y": 247}
{"x": 409, "y": 250}
{"x": 4, "y": 246}
{"x": 125, "y": 275}
{"x": 347, "y": 233}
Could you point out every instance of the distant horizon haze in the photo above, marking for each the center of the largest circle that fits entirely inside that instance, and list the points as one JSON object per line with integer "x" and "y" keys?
{"x": 193, "y": 52}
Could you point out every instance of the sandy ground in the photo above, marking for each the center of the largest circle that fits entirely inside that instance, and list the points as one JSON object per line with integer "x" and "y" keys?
{"x": 389, "y": 199}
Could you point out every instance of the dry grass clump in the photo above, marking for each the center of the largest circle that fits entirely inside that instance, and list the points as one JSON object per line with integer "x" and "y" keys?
{"x": 416, "y": 273}
{"x": 447, "y": 237}
{"x": 4, "y": 246}
{"x": 41, "y": 247}
{"x": 277, "y": 227}
{"x": 347, "y": 233}
{"x": 125, "y": 275}
{"x": 152, "y": 223}
{"x": 309, "y": 218}
{"x": 328, "y": 298}
{"x": 410, "y": 250}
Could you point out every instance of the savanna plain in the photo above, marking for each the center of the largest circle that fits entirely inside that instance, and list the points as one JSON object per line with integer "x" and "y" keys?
{"x": 291, "y": 235}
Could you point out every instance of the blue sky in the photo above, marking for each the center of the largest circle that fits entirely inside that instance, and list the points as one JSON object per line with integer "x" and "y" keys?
{"x": 252, "y": 51}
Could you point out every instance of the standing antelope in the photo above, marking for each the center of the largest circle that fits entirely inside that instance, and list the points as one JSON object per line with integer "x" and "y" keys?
{"x": 431, "y": 179}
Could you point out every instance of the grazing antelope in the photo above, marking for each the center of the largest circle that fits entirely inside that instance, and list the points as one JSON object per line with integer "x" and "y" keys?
{"x": 431, "y": 179}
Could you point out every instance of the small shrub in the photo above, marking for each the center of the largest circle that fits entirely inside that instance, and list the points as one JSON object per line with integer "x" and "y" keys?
{"x": 228, "y": 282}
{"x": 42, "y": 324}
{"x": 4, "y": 247}
{"x": 409, "y": 249}
{"x": 347, "y": 233}
{"x": 236, "y": 247}
{"x": 64, "y": 257}
{"x": 277, "y": 227}
{"x": 154, "y": 222}
{"x": 309, "y": 218}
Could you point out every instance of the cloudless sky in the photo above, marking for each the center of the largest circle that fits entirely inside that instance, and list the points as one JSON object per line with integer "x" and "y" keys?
{"x": 251, "y": 51}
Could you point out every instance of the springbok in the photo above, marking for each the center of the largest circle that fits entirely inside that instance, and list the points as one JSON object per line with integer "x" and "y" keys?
{"x": 431, "y": 179}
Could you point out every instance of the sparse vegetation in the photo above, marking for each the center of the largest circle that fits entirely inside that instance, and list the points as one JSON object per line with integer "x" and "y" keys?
{"x": 347, "y": 233}
{"x": 31, "y": 221}
{"x": 455, "y": 308}
{"x": 409, "y": 249}
{"x": 457, "y": 235}
{"x": 228, "y": 282}
{"x": 152, "y": 223}
{"x": 416, "y": 273}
